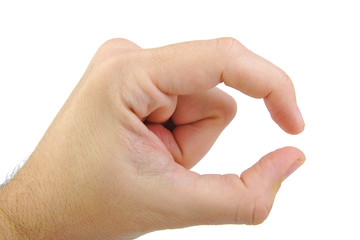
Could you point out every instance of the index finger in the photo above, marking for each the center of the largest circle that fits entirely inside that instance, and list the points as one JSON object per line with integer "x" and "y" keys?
{"x": 190, "y": 67}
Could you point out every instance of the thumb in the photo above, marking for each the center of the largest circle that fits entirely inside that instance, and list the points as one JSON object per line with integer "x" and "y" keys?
{"x": 248, "y": 199}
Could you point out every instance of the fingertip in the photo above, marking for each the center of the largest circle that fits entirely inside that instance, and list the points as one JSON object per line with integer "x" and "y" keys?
{"x": 298, "y": 163}
{"x": 283, "y": 108}
{"x": 300, "y": 123}
{"x": 283, "y": 162}
{"x": 291, "y": 152}
{"x": 293, "y": 157}
{"x": 292, "y": 123}
{"x": 293, "y": 130}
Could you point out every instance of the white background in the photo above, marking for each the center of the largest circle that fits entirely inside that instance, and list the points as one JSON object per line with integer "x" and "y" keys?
{"x": 45, "y": 47}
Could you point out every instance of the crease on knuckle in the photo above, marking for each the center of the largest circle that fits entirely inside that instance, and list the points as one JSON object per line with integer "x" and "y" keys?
{"x": 285, "y": 81}
{"x": 260, "y": 210}
{"x": 225, "y": 109}
{"x": 267, "y": 165}
{"x": 229, "y": 45}
{"x": 256, "y": 209}
{"x": 117, "y": 43}
{"x": 261, "y": 197}
{"x": 239, "y": 210}
{"x": 114, "y": 51}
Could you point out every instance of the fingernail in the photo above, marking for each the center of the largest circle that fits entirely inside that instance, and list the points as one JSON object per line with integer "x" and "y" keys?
{"x": 293, "y": 167}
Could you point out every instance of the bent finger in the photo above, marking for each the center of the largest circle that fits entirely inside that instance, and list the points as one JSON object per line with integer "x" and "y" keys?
{"x": 191, "y": 67}
{"x": 195, "y": 125}
{"x": 199, "y": 120}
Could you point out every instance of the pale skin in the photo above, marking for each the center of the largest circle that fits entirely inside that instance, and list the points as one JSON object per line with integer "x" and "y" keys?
{"x": 109, "y": 167}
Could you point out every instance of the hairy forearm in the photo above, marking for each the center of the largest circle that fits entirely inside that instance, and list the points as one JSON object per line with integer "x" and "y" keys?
{"x": 23, "y": 207}
{"x": 5, "y": 230}
{"x": 36, "y": 205}
{"x": 8, "y": 228}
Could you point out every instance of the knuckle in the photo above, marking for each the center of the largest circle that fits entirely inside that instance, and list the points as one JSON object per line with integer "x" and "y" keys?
{"x": 240, "y": 210}
{"x": 256, "y": 208}
{"x": 266, "y": 165}
{"x": 261, "y": 192}
{"x": 261, "y": 210}
{"x": 284, "y": 77}
{"x": 108, "y": 45}
{"x": 229, "y": 44}
{"x": 225, "y": 108}
{"x": 285, "y": 80}
{"x": 117, "y": 43}
{"x": 117, "y": 58}
{"x": 253, "y": 212}
{"x": 120, "y": 49}
{"x": 112, "y": 66}
{"x": 229, "y": 109}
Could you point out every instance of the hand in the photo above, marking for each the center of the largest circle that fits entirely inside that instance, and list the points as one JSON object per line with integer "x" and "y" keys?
{"x": 115, "y": 161}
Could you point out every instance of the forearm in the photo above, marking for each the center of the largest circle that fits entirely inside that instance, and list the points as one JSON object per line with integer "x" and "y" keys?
{"x": 8, "y": 228}
{"x": 24, "y": 210}
{"x": 38, "y": 204}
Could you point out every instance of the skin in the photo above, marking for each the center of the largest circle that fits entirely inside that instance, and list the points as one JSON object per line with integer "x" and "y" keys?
{"x": 113, "y": 166}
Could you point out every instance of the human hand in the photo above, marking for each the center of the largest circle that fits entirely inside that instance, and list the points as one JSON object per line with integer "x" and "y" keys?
{"x": 115, "y": 162}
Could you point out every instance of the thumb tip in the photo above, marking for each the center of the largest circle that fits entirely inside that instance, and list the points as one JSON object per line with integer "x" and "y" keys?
{"x": 286, "y": 160}
{"x": 298, "y": 159}
{"x": 298, "y": 163}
